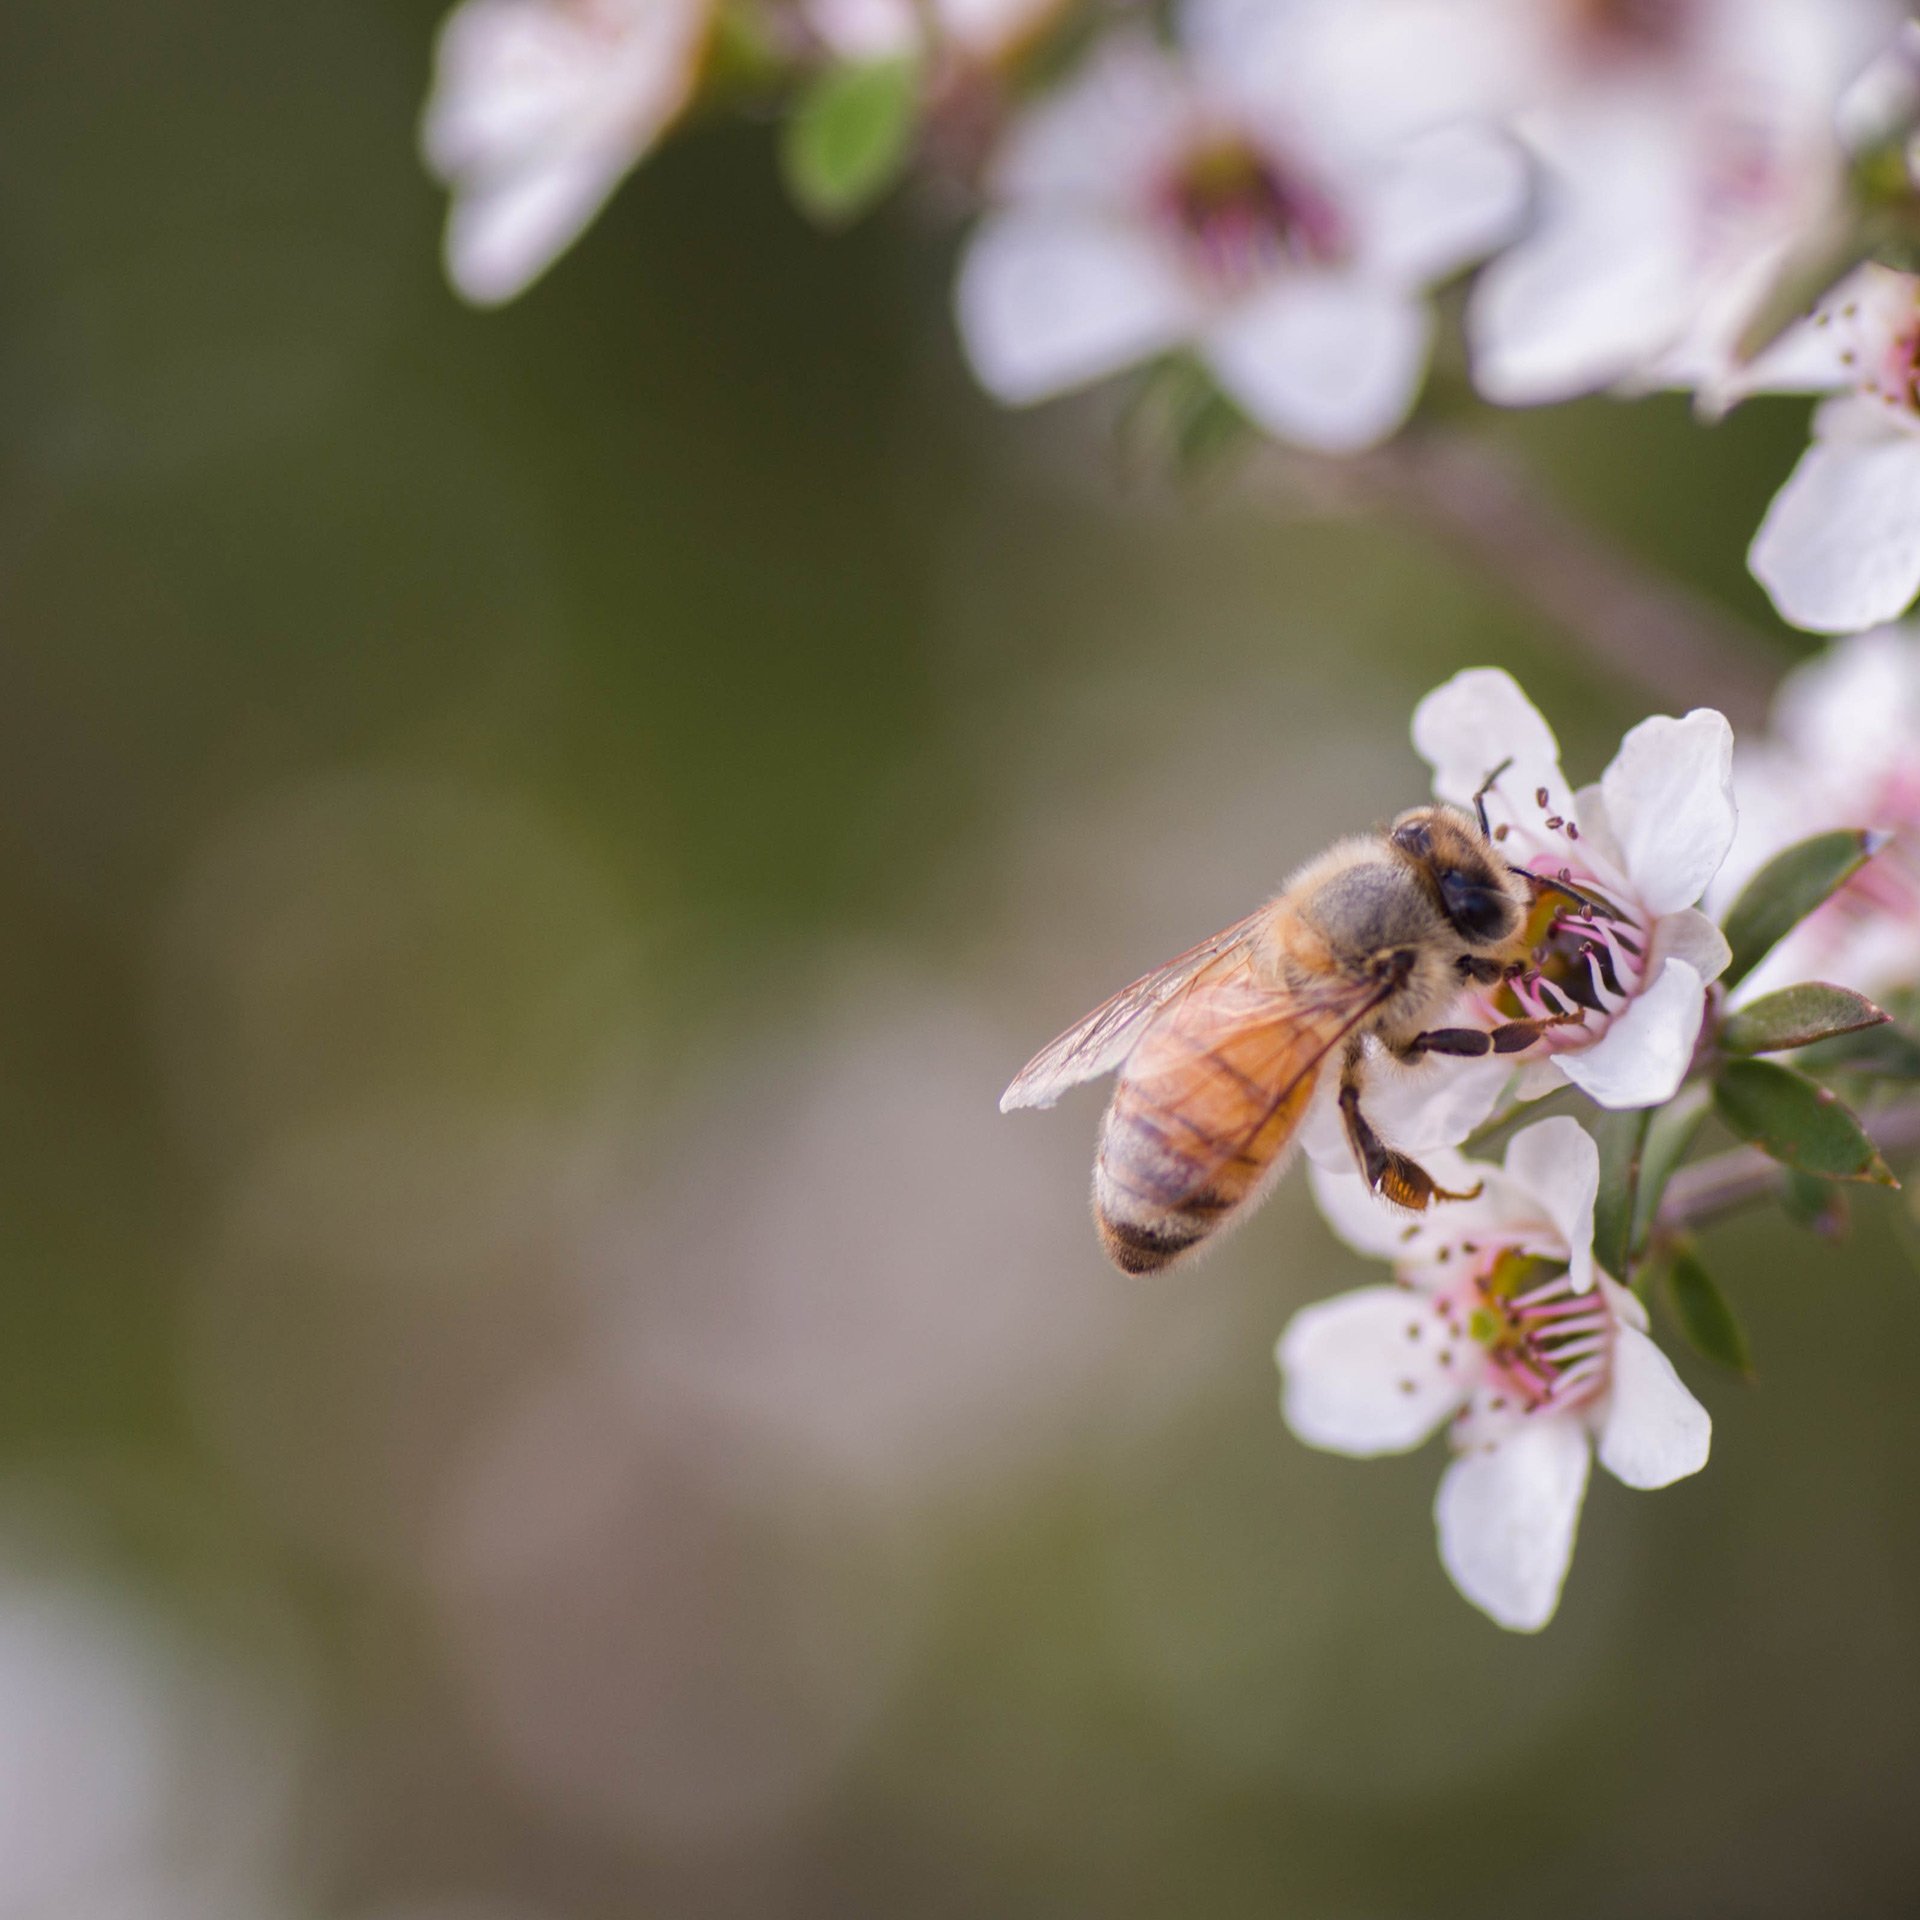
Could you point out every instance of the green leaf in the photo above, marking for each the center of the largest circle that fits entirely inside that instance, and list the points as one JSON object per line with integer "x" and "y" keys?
{"x": 1801, "y": 1123}
{"x": 1669, "y": 1134}
{"x": 1620, "y": 1138}
{"x": 1797, "y": 1017}
{"x": 1787, "y": 889}
{"x": 1703, "y": 1313}
{"x": 849, "y": 137}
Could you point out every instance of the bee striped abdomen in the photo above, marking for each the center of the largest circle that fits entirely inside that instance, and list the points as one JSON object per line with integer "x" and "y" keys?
{"x": 1187, "y": 1141}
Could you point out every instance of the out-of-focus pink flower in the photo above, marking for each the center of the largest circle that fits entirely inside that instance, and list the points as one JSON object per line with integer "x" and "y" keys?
{"x": 1839, "y": 549}
{"x": 1686, "y": 148}
{"x": 1216, "y": 198}
{"x": 1844, "y": 752}
{"x": 1500, "y": 1325}
{"x": 539, "y": 109}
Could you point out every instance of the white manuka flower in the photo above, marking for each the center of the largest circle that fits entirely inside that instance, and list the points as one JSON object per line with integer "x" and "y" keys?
{"x": 1687, "y": 149}
{"x": 1839, "y": 549}
{"x": 1641, "y": 847}
{"x": 1500, "y": 1324}
{"x": 1690, "y": 150}
{"x": 1214, "y": 198}
{"x": 1844, "y": 751}
{"x": 540, "y": 108}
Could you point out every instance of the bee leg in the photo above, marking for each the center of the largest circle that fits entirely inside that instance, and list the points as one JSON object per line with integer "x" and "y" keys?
{"x": 1388, "y": 1173}
{"x": 1511, "y": 1036}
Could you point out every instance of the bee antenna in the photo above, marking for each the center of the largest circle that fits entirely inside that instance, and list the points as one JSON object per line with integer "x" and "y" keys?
{"x": 1480, "y": 796}
{"x": 1556, "y": 886}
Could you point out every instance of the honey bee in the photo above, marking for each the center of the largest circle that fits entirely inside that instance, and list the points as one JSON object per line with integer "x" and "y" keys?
{"x": 1219, "y": 1051}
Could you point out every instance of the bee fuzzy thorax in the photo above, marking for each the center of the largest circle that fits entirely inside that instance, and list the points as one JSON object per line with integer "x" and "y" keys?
{"x": 1220, "y": 1053}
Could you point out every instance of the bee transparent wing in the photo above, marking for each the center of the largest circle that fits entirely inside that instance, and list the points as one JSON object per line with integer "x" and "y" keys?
{"x": 1226, "y": 1071}
{"x": 1104, "y": 1039}
{"x": 1209, "y": 1102}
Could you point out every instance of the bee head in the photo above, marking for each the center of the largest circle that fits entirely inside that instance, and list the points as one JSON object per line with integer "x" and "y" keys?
{"x": 1481, "y": 897}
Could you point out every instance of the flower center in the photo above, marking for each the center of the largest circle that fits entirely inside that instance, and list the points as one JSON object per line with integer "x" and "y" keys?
{"x": 1894, "y": 378}
{"x": 1592, "y": 956}
{"x": 1612, "y": 30}
{"x": 1544, "y": 1343}
{"x": 1238, "y": 215}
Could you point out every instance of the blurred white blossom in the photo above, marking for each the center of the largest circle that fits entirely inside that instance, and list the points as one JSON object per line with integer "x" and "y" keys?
{"x": 539, "y": 109}
{"x": 1844, "y": 751}
{"x": 139, "y": 1773}
{"x": 1499, "y": 1325}
{"x": 1685, "y": 147}
{"x": 1839, "y": 549}
{"x": 1641, "y": 845}
{"x": 1213, "y": 198}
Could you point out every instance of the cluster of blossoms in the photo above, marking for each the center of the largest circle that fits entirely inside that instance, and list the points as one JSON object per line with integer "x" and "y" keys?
{"x": 1844, "y": 752}
{"x": 1503, "y": 1323}
{"x": 1710, "y": 195}
{"x": 1706, "y": 195}
{"x": 1499, "y": 1324}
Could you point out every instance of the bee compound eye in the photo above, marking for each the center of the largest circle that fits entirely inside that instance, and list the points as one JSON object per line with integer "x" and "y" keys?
{"x": 1479, "y": 912}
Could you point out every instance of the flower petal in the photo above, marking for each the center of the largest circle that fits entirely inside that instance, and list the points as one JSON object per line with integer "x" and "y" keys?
{"x": 1855, "y": 707}
{"x": 1323, "y": 360}
{"x": 1507, "y": 1513}
{"x": 1558, "y": 1163}
{"x": 1050, "y": 301}
{"x": 1691, "y": 936}
{"x": 1839, "y": 548}
{"x": 1366, "y": 1224}
{"x": 1098, "y": 140}
{"x": 1433, "y": 1103}
{"x": 1600, "y": 853}
{"x": 1669, "y": 795}
{"x": 1423, "y": 1109}
{"x": 1654, "y": 1431}
{"x": 537, "y": 113}
{"x": 1323, "y": 1133}
{"x": 1361, "y": 1373}
{"x": 1628, "y": 1308}
{"x": 1606, "y": 280}
{"x": 1434, "y": 205}
{"x": 1465, "y": 728}
{"x": 1499, "y": 1210}
{"x": 1644, "y": 1054}
{"x": 502, "y": 237}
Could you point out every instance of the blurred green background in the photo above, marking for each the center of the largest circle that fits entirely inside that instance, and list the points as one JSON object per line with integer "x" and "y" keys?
{"x": 534, "y": 1383}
